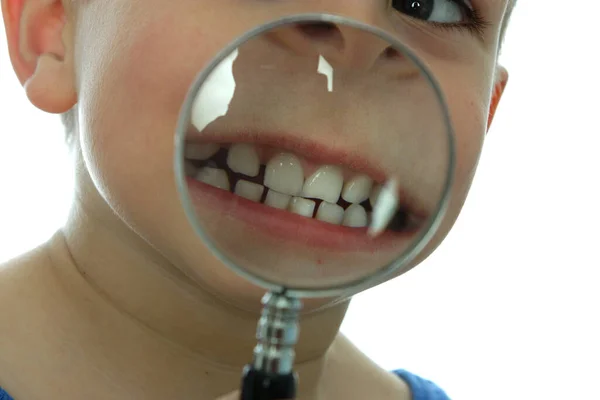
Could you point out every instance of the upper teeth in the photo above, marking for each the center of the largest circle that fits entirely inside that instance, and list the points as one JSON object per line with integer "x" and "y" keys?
{"x": 287, "y": 187}
{"x": 243, "y": 158}
{"x": 357, "y": 189}
{"x": 325, "y": 184}
{"x": 284, "y": 174}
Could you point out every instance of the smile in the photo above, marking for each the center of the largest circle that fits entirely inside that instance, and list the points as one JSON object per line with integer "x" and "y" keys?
{"x": 279, "y": 178}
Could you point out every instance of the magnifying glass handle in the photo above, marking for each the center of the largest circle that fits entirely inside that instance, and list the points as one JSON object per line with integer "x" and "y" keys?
{"x": 257, "y": 385}
{"x": 270, "y": 376}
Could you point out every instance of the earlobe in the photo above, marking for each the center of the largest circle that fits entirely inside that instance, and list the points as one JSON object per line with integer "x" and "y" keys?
{"x": 499, "y": 86}
{"x": 35, "y": 30}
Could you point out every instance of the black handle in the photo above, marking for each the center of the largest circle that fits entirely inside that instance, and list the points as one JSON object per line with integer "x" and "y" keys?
{"x": 258, "y": 385}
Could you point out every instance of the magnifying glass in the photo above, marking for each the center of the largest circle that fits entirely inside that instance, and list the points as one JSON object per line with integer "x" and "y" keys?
{"x": 315, "y": 158}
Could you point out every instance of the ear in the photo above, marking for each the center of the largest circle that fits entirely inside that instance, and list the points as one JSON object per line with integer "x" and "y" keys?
{"x": 41, "y": 52}
{"x": 501, "y": 80}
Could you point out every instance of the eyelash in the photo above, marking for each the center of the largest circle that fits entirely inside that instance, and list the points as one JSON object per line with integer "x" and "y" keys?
{"x": 475, "y": 23}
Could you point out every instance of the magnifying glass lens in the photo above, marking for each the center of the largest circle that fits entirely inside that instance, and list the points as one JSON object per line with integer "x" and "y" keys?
{"x": 314, "y": 154}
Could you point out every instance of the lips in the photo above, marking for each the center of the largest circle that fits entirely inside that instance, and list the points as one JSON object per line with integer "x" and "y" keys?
{"x": 292, "y": 189}
{"x": 286, "y": 226}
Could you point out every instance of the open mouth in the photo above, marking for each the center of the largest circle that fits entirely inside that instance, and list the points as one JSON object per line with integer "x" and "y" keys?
{"x": 280, "y": 179}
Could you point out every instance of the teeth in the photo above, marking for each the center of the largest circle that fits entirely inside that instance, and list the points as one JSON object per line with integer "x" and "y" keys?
{"x": 357, "y": 189}
{"x": 214, "y": 177}
{"x": 284, "y": 174}
{"x": 190, "y": 169}
{"x": 355, "y": 217}
{"x": 243, "y": 159}
{"x": 200, "y": 151}
{"x": 385, "y": 209}
{"x": 302, "y": 207}
{"x": 325, "y": 184}
{"x": 278, "y": 200}
{"x": 249, "y": 190}
{"x": 284, "y": 177}
{"x": 331, "y": 213}
{"x": 375, "y": 194}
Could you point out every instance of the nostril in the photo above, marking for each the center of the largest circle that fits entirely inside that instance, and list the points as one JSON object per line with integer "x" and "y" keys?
{"x": 391, "y": 54}
{"x": 318, "y": 29}
{"x": 324, "y": 32}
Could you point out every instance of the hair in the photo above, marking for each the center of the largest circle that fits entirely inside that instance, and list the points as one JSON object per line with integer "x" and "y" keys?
{"x": 69, "y": 119}
{"x": 509, "y": 10}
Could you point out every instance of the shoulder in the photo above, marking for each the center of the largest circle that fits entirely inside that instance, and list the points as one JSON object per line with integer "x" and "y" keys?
{"x": 20, "y": 279}
{"x": 22, "y": 310}
{"x": 4, "y": 395}
{"x": 352, "y": 365}
{"x": 421, "y": 389}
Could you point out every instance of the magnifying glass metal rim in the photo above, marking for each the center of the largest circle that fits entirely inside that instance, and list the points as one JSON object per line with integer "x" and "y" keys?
{"x": 352, "y": 287}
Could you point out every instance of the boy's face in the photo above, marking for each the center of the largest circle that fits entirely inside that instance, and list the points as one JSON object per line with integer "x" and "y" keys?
{"x": 128, "y": 64}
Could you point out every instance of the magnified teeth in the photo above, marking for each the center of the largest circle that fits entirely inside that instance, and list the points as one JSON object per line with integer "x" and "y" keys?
{"x": 249, "y": 190}
{"x": 284, "y": 174}
{"x": 302, "y": 206}
{"x": 355, "y": 217}
{"x": 214, "y": 177}
{"x": 278, "y": 200}
{"x": 385, "y": 209}
{"x": 323, "y": 196}
{"x": 331, "y": 213}
{"x": 243, "y": 158}
{"x": 357, "y": 189}
{"x": 375, "y": 194}
{"x": 325, "y": 184}
{"x": 200, "y": 151}
{"x": 190, "y": 169}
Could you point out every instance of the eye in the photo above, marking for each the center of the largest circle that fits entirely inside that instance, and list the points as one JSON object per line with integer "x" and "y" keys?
{"x": 438, "y": 11}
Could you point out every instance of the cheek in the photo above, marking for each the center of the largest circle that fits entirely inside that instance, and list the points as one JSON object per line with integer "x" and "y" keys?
{"x": 467, "y": 99}
{"x": 467, "y": 91}
{"x": 133, "y": 88}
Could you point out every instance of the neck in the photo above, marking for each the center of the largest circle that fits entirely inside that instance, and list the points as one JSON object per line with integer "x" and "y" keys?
{"x": 101, "y": 256}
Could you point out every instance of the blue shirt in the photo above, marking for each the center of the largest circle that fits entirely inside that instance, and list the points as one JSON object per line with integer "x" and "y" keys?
{"x": 421, "y": 389}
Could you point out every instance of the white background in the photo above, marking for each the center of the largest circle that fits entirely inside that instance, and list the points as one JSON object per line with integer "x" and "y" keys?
{"x": 509, "y": 306}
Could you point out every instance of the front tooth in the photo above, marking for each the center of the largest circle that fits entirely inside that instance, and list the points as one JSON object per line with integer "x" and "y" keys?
{"x": 277, "y": 200}
{"x": 200, "y": 151}
{"x": 355, "y": 217}
{"x": 242, "y": 158}
{"x": 331, "y": 213}
{"x": 249, "y": 190}
{"x": 214, "y": 177}
{"x": 325, "y": 184}
{"x": 284, "y": 174}
{"x": 375, "y": 194}
{"x": 357, "y": 189}
{"x": 302, "y": 206}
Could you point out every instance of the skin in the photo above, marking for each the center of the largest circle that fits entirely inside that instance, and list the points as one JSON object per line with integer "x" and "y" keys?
{"x": 122, "y": 302}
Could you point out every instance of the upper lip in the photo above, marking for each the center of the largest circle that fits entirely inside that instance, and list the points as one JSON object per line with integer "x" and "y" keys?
{"x": 318, "y": 153}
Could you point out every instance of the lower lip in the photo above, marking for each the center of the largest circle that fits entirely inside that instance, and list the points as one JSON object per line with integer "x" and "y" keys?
{"x": 285, "y": 225}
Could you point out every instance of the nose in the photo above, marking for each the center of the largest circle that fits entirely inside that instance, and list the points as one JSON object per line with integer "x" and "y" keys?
{"x": 340, "y": 44}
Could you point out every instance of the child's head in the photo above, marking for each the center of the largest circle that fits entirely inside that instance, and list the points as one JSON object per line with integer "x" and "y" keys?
{"x": 124, "y": 67}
